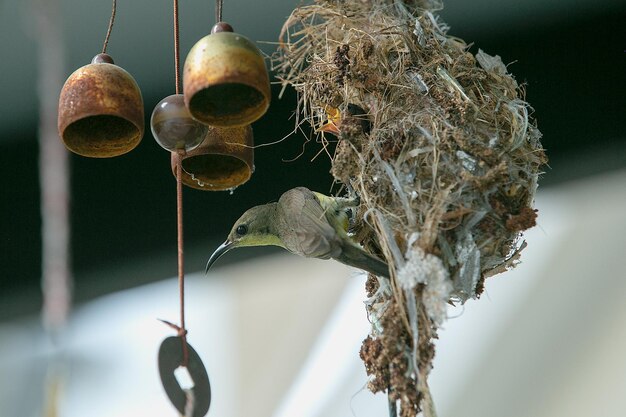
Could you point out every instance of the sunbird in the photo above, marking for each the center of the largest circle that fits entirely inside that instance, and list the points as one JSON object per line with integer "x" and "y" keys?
{"x": 306, "y": 223}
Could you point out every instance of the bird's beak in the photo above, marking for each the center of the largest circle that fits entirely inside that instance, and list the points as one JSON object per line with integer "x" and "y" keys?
{"x": 222, "y": 249}
{"x": 334, "y": 117}
{"x": 330, "y": 127}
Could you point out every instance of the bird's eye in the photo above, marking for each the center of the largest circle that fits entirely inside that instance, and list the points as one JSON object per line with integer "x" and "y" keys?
{"x": 242, "y": 229}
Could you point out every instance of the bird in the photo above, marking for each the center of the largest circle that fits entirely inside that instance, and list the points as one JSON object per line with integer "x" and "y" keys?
{"x": 305, "y": 223}
{"x": 354, "y": 115}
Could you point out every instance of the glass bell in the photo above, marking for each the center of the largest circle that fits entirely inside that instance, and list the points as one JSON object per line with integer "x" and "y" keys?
{"x": 173, "y": 127}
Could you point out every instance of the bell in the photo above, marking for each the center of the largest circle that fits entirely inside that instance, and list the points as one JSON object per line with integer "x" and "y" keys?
{"x": 100, "y": 110}
{"x": 225, "y": 81}
{"x": 223, "y": 161}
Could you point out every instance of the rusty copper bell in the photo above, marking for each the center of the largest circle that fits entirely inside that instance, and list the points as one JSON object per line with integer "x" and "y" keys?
{"x": 225, "y": 81}
{"x": 223, "y": 161}
{"x": 100, "y": 110}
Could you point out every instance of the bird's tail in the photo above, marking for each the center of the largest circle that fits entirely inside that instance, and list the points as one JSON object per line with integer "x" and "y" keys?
{"x": 353, "y": 255}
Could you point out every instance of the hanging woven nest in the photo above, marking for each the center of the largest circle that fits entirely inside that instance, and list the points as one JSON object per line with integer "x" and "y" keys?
{"x": 439, "y": 145}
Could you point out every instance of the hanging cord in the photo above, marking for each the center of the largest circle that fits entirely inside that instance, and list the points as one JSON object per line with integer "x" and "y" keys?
{"x": 182, "y": 332}
{"x": 176, "y": 48}
{"x": 108, "y": 35}
{"x": 218, "y": 10}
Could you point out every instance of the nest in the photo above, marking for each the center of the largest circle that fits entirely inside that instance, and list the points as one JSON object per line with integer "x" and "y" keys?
{"x": 441, "y": 148}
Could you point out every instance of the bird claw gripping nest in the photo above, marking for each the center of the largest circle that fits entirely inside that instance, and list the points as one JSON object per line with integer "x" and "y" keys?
{"x": 446, "y": 165}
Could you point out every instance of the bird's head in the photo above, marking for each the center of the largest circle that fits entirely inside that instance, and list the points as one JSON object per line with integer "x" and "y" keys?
{"x": 256, "y": 227}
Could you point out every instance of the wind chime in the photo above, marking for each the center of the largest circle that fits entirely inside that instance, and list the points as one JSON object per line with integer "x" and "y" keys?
{"x": 206, "y": 129}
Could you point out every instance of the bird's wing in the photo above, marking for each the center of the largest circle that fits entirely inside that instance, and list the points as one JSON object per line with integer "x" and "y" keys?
{"x": 308, "y": 231}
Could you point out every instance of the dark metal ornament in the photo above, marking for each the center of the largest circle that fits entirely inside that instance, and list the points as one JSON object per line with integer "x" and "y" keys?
{"x": 225, "y": 81}
{"x": 101, "y": 110}
{"x": 171, "y": 357}
{"x": 223, "y": 161}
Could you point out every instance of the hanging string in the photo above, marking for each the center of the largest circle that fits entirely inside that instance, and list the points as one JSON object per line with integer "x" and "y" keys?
{"x": 108, "y": 35}
{"x": 176, "y": 48}
{"x": 218, "y": 10}
{"x": 182, "y": 332}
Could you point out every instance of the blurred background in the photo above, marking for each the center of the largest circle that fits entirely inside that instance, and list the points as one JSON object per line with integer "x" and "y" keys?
{"x": 279, "y": 334}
